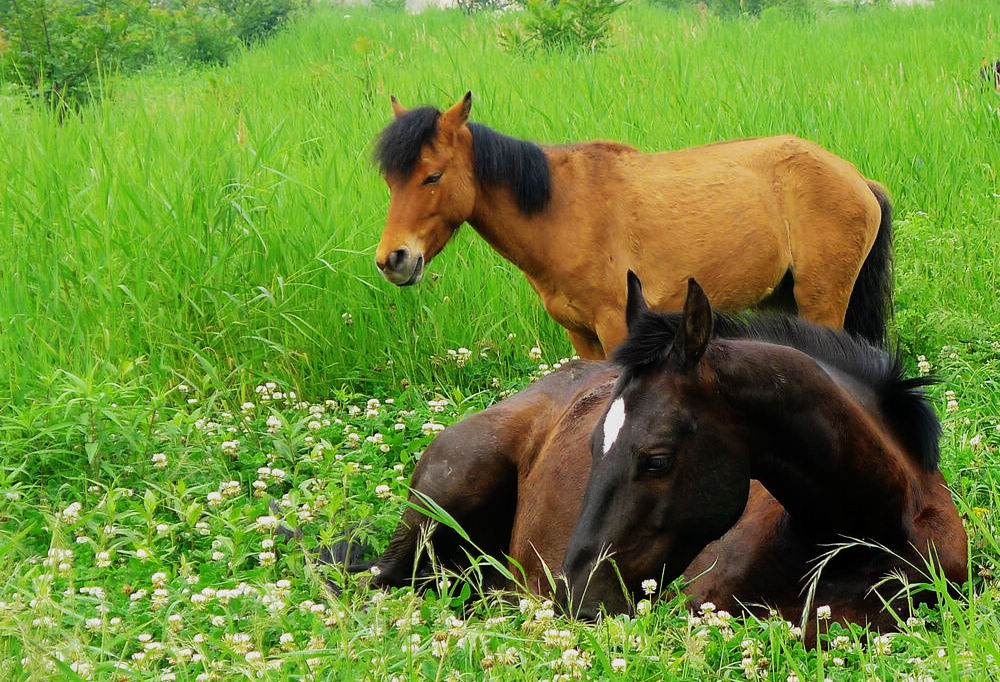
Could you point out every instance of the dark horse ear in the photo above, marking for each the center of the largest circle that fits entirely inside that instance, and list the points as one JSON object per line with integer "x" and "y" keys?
{"x": 635, "y": 304}
{"x": 397, "y": 108}
{"x": 696, "y": 327}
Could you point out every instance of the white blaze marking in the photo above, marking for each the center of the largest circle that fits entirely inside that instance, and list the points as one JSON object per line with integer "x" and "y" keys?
{"x": 613, "y": 423}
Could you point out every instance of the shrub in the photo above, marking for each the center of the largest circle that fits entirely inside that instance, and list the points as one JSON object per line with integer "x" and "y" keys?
{"x": 256, "y": 20}
{"x": 57, "y": 51}
{"x": 562, "y": 25}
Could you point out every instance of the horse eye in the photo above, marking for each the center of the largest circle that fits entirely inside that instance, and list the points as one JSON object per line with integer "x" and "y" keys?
{"x": 657, "y": 464}
{"x": 432, "y": 178}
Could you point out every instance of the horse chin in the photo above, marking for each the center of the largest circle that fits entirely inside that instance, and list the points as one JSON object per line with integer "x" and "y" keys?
{"x": 418, "y": 273}
{"x": 404, "y": 279}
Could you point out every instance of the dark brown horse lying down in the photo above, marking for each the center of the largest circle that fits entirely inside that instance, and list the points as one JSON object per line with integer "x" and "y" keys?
{"x": 733, "y": 458}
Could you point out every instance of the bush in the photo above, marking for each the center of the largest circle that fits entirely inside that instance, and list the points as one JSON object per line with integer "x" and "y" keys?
{"x": 57, "y": 51}
{"x": 562, "y": 25}
{"x": 256, "y": 20}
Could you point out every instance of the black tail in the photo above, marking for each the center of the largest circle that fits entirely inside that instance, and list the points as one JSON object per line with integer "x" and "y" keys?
{"x": 348, "y": 552}
{"x": 870, "y": 307}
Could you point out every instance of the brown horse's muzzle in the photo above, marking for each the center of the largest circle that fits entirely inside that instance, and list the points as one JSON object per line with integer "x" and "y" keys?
{"x": 402, "y": 268}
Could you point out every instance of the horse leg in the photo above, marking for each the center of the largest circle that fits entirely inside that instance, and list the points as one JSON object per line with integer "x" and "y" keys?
{"x": 587, "y": 345}
{"x": 829, "y": 243}
{"x": 468, "y": 472}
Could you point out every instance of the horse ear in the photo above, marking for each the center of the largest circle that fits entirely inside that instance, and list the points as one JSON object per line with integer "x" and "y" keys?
{"x": 397, "y": 108}
{"x": 696, "y": 327}
{"x": 635, "y": 304}
{"x": 458, "y": 114}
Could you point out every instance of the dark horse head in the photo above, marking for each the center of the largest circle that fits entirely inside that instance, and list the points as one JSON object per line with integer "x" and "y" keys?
{"x": 669, "y": 473}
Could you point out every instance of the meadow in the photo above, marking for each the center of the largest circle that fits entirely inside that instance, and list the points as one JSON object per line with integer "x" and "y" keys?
{"x": 192, "y": 323}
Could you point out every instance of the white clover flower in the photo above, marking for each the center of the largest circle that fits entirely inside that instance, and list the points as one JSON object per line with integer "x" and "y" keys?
{"x": 267, "y": 558}
{"x": 160, "y": 460}
{"x": 267, "y": 522}
{"x": 648, "y": 586}
{"x": 159, "y": 579}
{"x": 923, "y": 366}
{"x": 162, "y": 528}
{"x": 882, "y": 645}
{"x": 142, "y": 554}
{"x": 976, "y": 440}
{"x": 71, "y": 514}
{"x": 230, "y": 447}
{"x": 823, "y": 612}
{"x": 535, "y": 353}
{"x": 273, "y": 423}
{"x": 643, "y": 607}
{"x": 619, "y": 664}
{"x": 383, "y": 492}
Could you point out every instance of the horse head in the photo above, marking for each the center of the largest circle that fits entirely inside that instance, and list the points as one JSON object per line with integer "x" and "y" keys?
{"x": 670, "y": 471}
{"x": 426, "y": 157}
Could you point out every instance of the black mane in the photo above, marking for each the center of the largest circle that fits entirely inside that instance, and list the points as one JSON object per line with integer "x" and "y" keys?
{"x": 901, "y": 400}
{"x": 500, "y": 161}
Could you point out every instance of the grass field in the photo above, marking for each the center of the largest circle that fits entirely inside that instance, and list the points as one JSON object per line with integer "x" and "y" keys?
{"x": 195, "y": 236}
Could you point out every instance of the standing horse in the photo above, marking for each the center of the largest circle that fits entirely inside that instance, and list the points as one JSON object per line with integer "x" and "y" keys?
{"x": 768, "y": 221}
{"x": 731, "y": 457}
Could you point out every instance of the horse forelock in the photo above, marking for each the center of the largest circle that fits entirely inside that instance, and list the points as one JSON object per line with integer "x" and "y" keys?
{"x": 397, "y": 149}
{"x": 901, "y": 400}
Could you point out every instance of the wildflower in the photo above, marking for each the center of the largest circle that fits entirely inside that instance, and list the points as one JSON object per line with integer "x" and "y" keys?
{"x": 649, "y": 586}
{"x": 383, "y": 492}
{"x": 976, "y": 440}
{"x": 267, "y": 522}
{"x": 273, "y": 424}
{"x": 535, "y": 353}
{"x": 71, "y": 514}
{"x": 562, "y": 639}
{"x": 348, "y": 319}
{"x": 882, "y": 645}
{"x": 160, "y": 460}
{"x": 287, "y": 641}
{"x": 823, "y": 612}
{"x": 267, "y": 558}
{"x": 619, "y": 664}
{"x": 643, "y": 607}
{"x": 230, "y": 447}
{"x": 142, "y": 554}
{"x": 923, "y": 366}
{"x": 159, "y": 579}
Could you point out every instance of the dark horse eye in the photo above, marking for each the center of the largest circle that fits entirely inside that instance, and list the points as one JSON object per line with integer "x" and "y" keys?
{"x": 657, "y": 464}
{"x": 432, "y": 178}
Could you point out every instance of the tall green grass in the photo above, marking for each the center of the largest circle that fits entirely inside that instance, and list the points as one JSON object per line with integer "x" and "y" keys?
{"x": 217, "y": 225}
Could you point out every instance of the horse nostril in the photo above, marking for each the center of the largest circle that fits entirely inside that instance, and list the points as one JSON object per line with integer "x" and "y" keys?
{"x": 397, "y": 258}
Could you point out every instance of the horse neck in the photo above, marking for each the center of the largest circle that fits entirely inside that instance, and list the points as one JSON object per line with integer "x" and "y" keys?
{"x": 825, "y": 456}
{"x": 522, "y": 239}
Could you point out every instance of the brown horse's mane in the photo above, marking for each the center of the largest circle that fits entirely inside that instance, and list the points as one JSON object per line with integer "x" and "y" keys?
{"x": 901, "y": 400}
{"x": 500, "y": 160}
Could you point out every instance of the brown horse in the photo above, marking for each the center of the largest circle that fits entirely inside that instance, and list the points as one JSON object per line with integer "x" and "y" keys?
{"x": 771, "y": 222}
{"x": 732, "y": 458}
